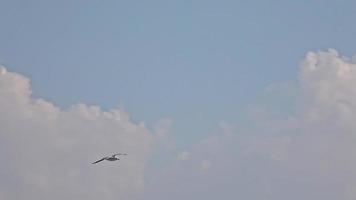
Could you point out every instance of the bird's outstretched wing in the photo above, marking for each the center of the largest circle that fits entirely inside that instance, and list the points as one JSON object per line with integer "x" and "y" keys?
{"x": 99, "y": 160}
{"x": 118, "y": 154}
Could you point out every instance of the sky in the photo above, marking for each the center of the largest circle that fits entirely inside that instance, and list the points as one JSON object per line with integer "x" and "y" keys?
{"x": 210, "y": 99}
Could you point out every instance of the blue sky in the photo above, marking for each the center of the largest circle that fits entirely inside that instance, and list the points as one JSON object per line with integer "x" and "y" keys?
{"x": 197, "y": 62}
{"x": 240, "y": 99}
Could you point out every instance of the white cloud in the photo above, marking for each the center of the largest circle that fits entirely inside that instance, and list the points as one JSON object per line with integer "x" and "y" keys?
{"x": 46, "y": 152}
{"x": 183, "y": 156}
{"x": 327, "y": 82}
{"x": 204, "y": 166}
{"x": 2, "y": 70}
{"x": 162, "y": 132}
{"x": 308, "y": 154}
{"x": 226, "y": 127}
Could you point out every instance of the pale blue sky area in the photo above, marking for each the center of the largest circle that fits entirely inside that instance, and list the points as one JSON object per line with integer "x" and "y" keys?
{"x": 197, "y": 62}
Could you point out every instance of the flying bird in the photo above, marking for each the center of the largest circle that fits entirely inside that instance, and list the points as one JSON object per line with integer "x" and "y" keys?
{"x": 110, "y": 158}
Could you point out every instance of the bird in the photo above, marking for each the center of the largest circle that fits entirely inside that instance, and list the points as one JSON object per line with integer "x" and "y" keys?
{"x": 110, "y": 158}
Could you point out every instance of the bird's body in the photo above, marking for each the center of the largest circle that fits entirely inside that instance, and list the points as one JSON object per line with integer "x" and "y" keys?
{"x": 110, "y": 158}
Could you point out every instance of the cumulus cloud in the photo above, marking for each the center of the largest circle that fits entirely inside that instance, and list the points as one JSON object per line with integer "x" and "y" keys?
{"x": 305, "y": 154}
{"x": 162, "y": 133}
{"x": 46, "y": 152}
{"x": 204, "y": 166}
{"x": 183, "y": 155}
